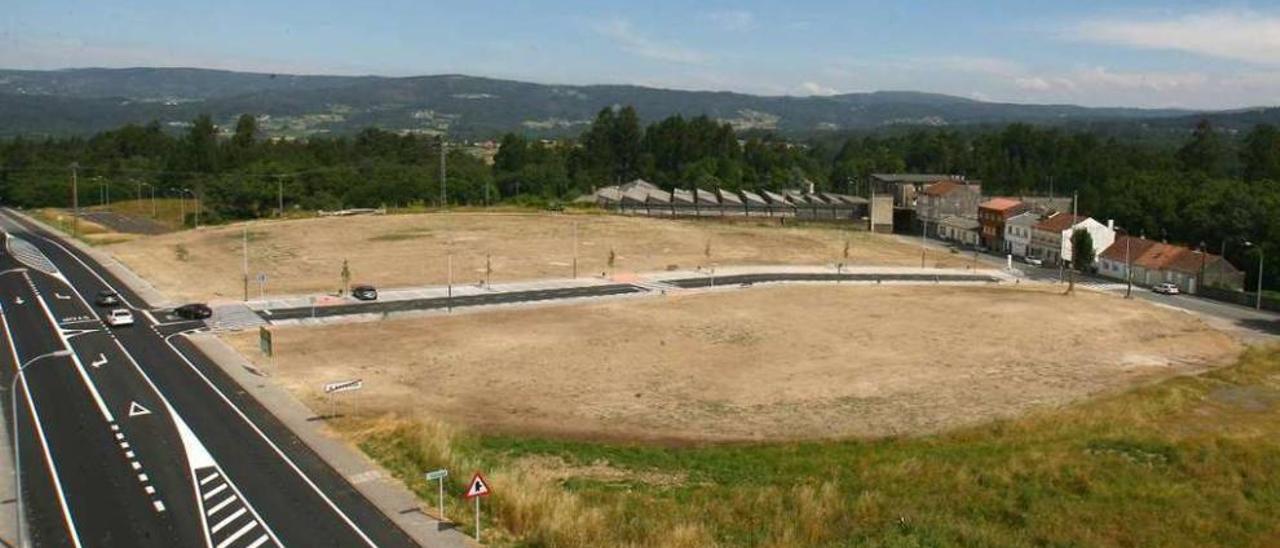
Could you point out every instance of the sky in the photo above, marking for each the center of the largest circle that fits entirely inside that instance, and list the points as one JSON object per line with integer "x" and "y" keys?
{"x": 1118, "y": 53}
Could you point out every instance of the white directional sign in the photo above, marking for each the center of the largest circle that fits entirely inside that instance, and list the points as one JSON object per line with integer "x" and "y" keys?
{"x": 137, "y": 410}
{"x": 478, "y": 487}
{"x": 101, "y": 361}
{"x": 343, "y": 386}
{"x": 437, "y": 474}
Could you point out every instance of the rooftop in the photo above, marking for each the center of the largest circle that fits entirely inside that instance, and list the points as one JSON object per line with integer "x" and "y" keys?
{"x": 1060, "y": 222}
{"x": 1000, "y": 204}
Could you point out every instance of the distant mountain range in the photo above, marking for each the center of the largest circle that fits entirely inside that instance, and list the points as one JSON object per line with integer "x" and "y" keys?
{"x": 82, "y": 101}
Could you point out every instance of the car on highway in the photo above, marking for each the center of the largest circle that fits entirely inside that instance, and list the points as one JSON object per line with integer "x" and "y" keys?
{"x": 365, "y": 292}
{"x": 193, "y": 311}
{"x": 1033, "y": 261}
{"x": 1166, "y": 289}
{"x": 120, "y": 317}
{"x": 107, "y": 298}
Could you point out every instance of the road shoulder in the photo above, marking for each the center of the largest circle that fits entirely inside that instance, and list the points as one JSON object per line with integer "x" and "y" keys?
{"x": 388, "y": 494}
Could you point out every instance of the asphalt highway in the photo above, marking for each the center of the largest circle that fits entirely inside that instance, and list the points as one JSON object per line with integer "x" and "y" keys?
{"x": 134, "y": 438}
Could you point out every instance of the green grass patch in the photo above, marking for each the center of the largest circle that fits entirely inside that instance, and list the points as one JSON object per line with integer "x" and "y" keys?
{"x": 1183, "y": 463}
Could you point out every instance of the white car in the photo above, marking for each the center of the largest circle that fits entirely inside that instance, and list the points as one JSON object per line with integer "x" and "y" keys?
{"x": 120, "y": 317}
{"x": 1033, "y": 261}
{"x": 1166, "y": 289}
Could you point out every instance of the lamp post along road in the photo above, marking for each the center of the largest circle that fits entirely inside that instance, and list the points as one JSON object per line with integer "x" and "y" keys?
{"x": 17, "y": 455}
{"x": 1261, "y": 262}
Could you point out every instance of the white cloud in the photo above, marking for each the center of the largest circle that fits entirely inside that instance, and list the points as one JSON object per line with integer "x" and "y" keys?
{"x": 814, "y": 88}
{"x": 1032, "y": 83}
{"x": 635, "y": 42}
{"x": 733, "y": 20}
{"x": 1241, "y": 35}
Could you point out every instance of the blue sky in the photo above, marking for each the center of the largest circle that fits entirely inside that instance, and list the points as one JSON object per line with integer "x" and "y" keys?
{"x": 1125, "y": 53}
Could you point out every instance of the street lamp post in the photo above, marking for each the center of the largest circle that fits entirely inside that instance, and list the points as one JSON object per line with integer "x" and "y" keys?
{"x": 17, "y": 455}
{"x": 1261, "y": 258}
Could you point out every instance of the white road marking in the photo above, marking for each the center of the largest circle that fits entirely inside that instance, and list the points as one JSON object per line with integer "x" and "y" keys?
{"x": 150, "y": 490}
{"x": 128, "y": 454}
{"x": 230, "y": 499}
{"x": 44, "y": 442}
{"x": 261, "y": 540}
{"x": 197, "y": 454}
{"x": 84, "y": 375}
{"x": 101, "y": 361}
{"x": 215, "y": 491}
{"x": 137, "y": 410}
{"x": 115, "y": 427}
{"x": 227, "y": 520}
{"x": 209, "y": 478}
{"x": 159, "y": 506}
{"x": 135, "y": 465}
{"x": 119, "y": 436}
{"x": 236, "y": 535}
{"x": 124, "y": 445}
{"x": 142, "y": 477}
{"x": 61, "y": 297}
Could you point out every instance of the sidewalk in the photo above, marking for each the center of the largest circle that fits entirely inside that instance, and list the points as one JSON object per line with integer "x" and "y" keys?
{"x": 385, "y": 492}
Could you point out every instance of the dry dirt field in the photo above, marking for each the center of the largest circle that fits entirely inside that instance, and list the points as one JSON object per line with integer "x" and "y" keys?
{"x": 305, "y": 256}
{"x": 758, "y": 364}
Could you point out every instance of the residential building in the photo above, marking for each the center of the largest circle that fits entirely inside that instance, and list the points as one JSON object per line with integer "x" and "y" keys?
{"x": 905, "y": 186}
{"x": 1051, "y": 237}
{"x": 1017, "y": 233}
{"x": 949, "y": 198}
{"x": 992, "y": 215}
{"x": 963, "y": 230}
{"x": 1157, "y": 262}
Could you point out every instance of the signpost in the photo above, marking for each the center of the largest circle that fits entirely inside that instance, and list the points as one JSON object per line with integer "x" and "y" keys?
{"x": 439, "y": 476}
{"x": 477, "y": 488}
{"x": 337, "y": 387}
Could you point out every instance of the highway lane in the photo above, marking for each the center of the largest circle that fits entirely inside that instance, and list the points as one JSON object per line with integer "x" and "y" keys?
{"x": 100, "y": 500}
{"x": 286, "y": 492}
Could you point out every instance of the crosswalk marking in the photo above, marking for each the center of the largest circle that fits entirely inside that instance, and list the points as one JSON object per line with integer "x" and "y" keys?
{"x": 230, "y": 520}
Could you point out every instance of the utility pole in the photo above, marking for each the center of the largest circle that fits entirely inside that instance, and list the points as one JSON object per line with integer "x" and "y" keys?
{"x": 246, "y": 262}
{"x": 1258, "y": 299}
{"x": 75, "y": 204}
{"x": 443, "y": 184}
{"x": 924, "y": 229}
{"x": 1071, "y": 285}
{"x": 279, "y": 197}
{"x": 575, "y": 250}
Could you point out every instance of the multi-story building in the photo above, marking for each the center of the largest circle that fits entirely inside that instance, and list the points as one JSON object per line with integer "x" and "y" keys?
{"x": 1017, "y": 233}
{"x": 992, "y": 215}
{"x": 949, "y": 198}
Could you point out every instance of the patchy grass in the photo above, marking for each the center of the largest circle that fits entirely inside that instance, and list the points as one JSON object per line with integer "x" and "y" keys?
{"x": 1188, "y": 462}
{"x": 88, "y": 231}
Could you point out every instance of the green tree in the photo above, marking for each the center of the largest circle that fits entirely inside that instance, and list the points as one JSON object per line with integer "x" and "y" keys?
{"x": 1260, "y": 154}
{"x": 1082, "y": 254}
{"x": 246, "y": 133}
{"x": 1204, "y": 152}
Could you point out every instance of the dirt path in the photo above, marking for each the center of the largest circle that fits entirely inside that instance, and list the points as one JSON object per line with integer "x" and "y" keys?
{"x": 766, "y": 363}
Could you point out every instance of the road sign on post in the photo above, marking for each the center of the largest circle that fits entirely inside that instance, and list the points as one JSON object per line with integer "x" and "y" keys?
{"x": 439, "y": 476}
{"x": 336, "y": 387}
{"x": 476, "y": 489}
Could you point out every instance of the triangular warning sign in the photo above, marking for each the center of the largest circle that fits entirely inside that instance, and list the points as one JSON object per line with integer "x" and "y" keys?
{"x": 136, "y": 410}
{"x": 478, "y": 487}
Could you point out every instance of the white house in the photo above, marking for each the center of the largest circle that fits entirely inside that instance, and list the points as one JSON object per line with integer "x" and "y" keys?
{"x": 959, "y": 229}
{"x": 1017, "y": 233}
{"x": 1051, "y": 238}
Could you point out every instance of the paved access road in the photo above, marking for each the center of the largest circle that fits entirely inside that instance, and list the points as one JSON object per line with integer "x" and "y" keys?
{"x": 131, "y": 437}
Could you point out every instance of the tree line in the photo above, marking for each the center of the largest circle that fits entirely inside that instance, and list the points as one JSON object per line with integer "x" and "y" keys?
{"x": 1211, "y": 187}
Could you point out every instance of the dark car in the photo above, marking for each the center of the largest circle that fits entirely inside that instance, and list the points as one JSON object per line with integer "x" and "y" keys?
{"x": 107, "y": 298}
{"x": 365, "y": 292}
{"x": 193, "y": 311}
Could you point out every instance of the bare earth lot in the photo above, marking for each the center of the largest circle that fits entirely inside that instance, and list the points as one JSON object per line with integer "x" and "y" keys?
{"x": 305, "y": 256}
{"x": 765, "y": 363}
